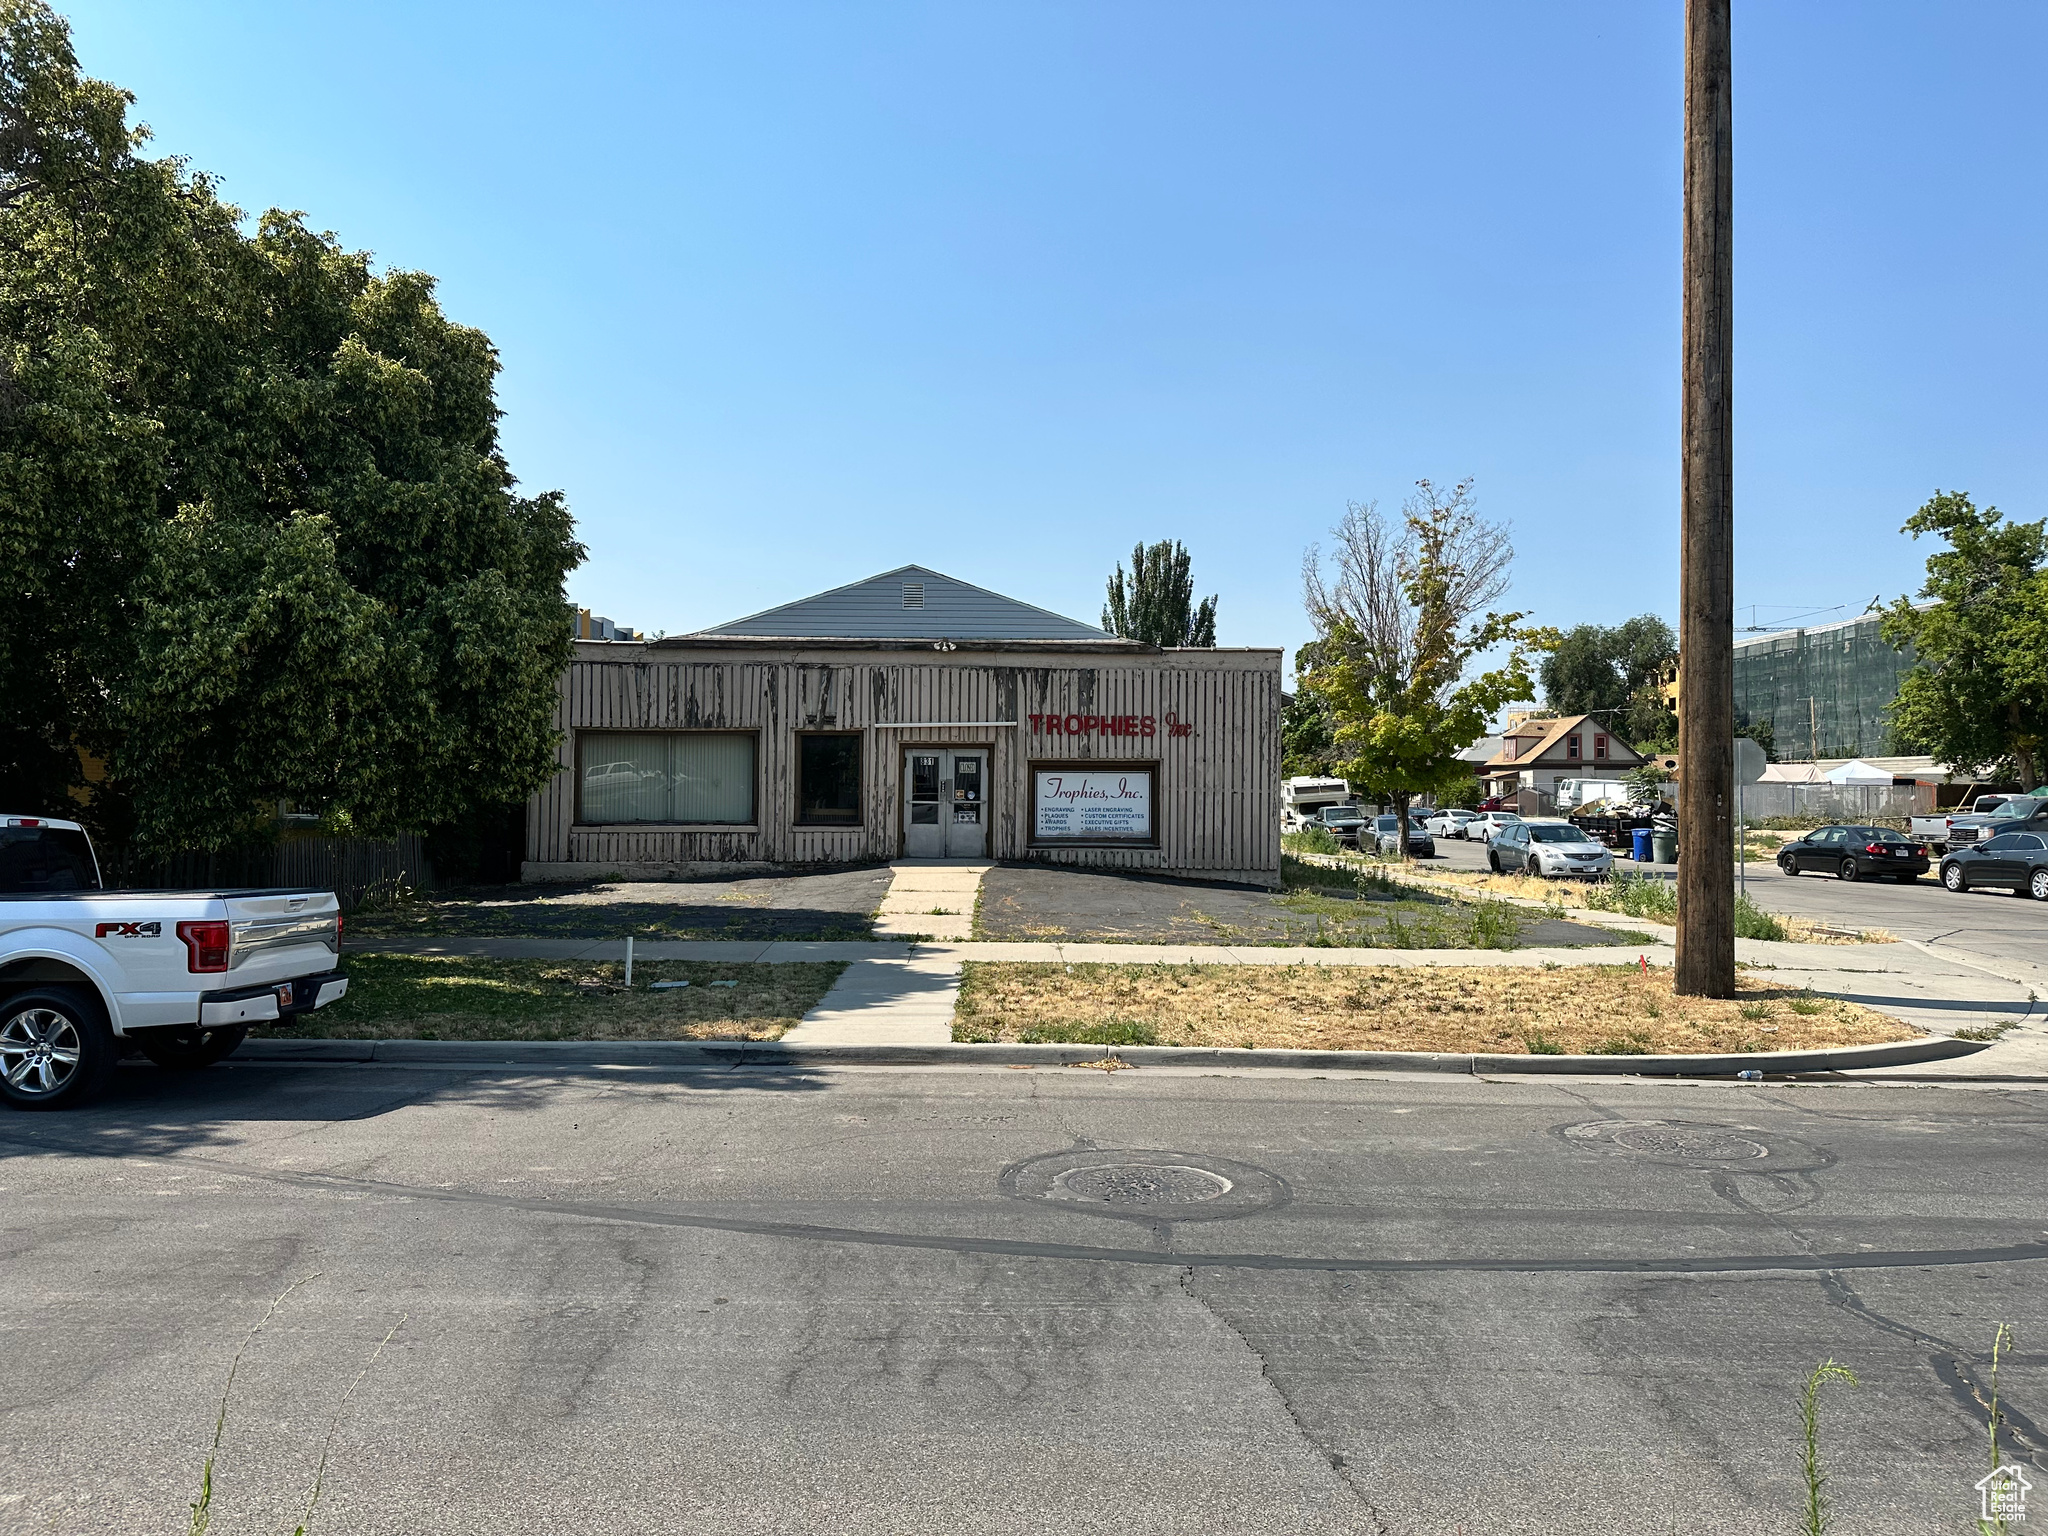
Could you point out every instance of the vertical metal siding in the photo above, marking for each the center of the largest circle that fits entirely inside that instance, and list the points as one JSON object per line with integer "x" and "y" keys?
{"x": 1217, "y": 811}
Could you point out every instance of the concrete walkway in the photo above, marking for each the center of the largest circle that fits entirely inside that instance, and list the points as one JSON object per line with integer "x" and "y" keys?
{"x": 900, "y": 1001}
{"x": 930, "y": 898}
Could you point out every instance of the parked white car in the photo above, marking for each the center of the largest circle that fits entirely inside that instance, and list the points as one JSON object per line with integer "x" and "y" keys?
{"x": 1449, "y": 823}
{"x": 1488, "y": 825}
{"x": 1550, "y": 850}
{"x": 180, "y": 975}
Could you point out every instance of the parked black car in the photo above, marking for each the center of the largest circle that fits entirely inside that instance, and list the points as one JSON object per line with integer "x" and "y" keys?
{"x": 2013, "y": 861}
{"x": 1851, "y": 853}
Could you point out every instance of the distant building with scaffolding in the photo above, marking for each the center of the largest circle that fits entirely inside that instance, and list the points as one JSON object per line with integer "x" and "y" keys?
{"x": 1824, "y": 691}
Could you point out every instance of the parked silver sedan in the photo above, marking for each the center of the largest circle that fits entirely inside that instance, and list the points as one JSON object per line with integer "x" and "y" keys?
{"x": 1548, "y": 849}
{"x": 1386, "y": 833}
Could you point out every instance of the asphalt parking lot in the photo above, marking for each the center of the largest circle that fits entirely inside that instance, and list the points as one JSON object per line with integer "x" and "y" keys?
{"x": 975, "y": 1301}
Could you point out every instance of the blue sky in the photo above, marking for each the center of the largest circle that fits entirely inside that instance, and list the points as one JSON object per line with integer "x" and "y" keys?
{"x": 788, "y": 294}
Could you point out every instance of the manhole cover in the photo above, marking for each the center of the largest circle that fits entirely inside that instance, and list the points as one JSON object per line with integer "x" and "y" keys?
{"x": 1145, "y": 1184}
{"x": 1686, "y": 1141}
{"x": 1675, "y": 1141}
{"x": 1142, "y": 1184}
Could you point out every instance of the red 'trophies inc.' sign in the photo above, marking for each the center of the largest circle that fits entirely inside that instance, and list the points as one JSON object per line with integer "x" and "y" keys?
{"x": 1109, "y": 725}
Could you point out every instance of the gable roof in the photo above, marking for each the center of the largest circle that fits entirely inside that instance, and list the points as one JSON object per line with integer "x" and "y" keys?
{"x": 911, "y": 602}
{"x": 1533, "y": 739}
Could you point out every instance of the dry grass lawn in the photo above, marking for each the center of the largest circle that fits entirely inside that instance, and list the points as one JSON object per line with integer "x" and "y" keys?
{"x": 439, "y": 997}
{"x": 1573, "y": 1010}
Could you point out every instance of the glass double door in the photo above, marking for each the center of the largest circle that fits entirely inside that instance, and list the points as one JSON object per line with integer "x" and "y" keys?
{"x": 945, "y": 803}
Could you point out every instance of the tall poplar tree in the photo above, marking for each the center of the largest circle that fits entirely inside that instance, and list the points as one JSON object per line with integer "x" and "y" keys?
{"x": 1156, "y": 602}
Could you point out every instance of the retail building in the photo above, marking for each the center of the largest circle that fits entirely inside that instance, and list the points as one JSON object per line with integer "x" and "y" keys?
{"x": 914, "y": 715}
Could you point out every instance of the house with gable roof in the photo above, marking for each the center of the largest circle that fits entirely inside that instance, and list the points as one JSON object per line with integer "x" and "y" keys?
{"x": 1537, "y": 751}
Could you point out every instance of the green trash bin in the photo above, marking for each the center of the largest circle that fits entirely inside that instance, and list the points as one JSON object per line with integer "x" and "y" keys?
{"x": 1664, "y": 845}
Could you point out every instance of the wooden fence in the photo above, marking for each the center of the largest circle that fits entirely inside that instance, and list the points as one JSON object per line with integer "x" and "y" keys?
{"x": 348, "y": 866}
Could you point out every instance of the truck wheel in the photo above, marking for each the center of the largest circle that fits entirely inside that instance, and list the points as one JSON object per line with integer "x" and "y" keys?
{"x": 1847, "y": 870}
{"x": 56, "y": 1050}
{"x": 188, "y": 1047}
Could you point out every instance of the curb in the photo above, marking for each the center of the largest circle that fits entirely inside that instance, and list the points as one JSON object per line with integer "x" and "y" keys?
{"x": 561, "y": 1054}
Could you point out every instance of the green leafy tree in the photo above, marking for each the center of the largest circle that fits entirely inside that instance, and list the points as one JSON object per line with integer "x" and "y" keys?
{"x": 1308, "y": 732}
{"x": 1156, "y": 602}
{"x": 1978, "y": 693}
{"x": 1398, "y": 616}
{"x": 1615, "y": 672}
{"x": 261, "y": 539}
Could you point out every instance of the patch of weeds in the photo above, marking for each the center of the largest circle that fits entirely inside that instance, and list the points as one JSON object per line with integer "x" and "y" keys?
{"x": 1109, "y": 1031}
{"x": 1983, "y": 1032}
{"x": 1755, "y": 1011}
{"x": 1636, "y": 895}
{"x": 1807, "y": 1007}
{"x": 1540, "y": 1044}
{"x": 1494, "y": 925}
{"x": 1313, "y": 840}
{"x": 1753, "y": 922}
{"x": 394, "y": 893}
{"x": 1371, "y": 883}
{"x": 1627, "y": 1043}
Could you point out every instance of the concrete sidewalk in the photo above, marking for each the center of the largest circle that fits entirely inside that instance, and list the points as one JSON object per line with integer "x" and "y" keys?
{"x": 903, "y": 994}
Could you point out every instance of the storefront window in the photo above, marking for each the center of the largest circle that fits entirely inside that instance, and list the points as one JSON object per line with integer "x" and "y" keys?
{"x": 828, "y": 781}
{"x": 1092, "y": 803}
{"x": 687, "y": 778}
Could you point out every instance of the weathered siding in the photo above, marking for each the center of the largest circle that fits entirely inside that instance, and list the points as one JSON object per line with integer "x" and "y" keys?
{"x": 1217, "y": 811}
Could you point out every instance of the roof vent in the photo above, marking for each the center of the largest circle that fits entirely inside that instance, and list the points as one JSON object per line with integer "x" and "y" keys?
{"x": 913, "y": 594}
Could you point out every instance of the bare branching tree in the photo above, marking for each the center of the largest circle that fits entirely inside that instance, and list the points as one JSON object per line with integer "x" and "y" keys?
{"x": 1400, "y": 611}
{"x": 1368, "y": 588}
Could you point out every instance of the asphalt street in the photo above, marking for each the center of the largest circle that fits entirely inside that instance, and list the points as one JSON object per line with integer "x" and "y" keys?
{"x": 1995, "y": 926}
{"x": 1012, "y": 1301}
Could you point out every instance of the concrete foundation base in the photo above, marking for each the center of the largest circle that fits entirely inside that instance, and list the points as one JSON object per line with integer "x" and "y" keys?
{"x": 548, "y": 874}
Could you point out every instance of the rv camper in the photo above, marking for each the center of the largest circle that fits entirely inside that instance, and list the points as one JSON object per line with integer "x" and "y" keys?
{"x": 1302, "y": 798}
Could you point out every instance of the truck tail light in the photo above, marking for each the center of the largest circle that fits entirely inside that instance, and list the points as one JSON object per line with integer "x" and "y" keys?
{"x": 206, "y": 945}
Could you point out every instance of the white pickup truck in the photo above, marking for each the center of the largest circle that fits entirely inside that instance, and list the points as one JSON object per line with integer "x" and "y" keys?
{"x": 1985, "y": 817}
{"x": 86, "y": 972}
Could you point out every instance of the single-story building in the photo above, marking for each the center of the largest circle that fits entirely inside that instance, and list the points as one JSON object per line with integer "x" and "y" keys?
{"x": 911, "y": 715}
{"x": 1536, "y": 751}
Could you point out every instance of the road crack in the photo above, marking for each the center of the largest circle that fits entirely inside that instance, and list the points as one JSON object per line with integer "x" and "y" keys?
{"x": 1346, "y": 1473}
{"x": 1955, "y": 1368}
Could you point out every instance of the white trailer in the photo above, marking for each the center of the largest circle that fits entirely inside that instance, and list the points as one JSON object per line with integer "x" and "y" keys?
{"x": 1302, "y": 798}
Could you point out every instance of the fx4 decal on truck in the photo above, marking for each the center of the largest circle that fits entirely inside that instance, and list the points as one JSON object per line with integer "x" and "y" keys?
{"x": 128, "y": 930}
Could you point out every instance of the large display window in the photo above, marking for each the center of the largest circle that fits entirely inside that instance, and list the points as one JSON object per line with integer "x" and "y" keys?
{"x": 1094, "y": 804}
{"x": 665, "y": 778}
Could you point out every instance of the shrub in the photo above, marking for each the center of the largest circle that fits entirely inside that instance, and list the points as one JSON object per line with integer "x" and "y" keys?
{"x": 1313, "y": 840}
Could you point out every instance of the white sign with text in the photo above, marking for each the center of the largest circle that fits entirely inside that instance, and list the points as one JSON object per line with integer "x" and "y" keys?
{"x": 1086, "y": 805}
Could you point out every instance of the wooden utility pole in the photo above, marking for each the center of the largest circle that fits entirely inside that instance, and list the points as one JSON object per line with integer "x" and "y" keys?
{"x": 1706, "y": 575}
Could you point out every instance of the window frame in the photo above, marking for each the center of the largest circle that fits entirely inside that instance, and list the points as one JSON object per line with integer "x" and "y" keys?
{"x": 751, "y": 824}
{"x": 1599, "y": 746}
{"x": 860, "y": 809}
{"x": 1151, "y": 767}
{"x": 1572, "y": 743}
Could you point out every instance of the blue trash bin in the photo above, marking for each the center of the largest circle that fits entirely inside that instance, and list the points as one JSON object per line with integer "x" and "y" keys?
{"x": 1642, "y": 845}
